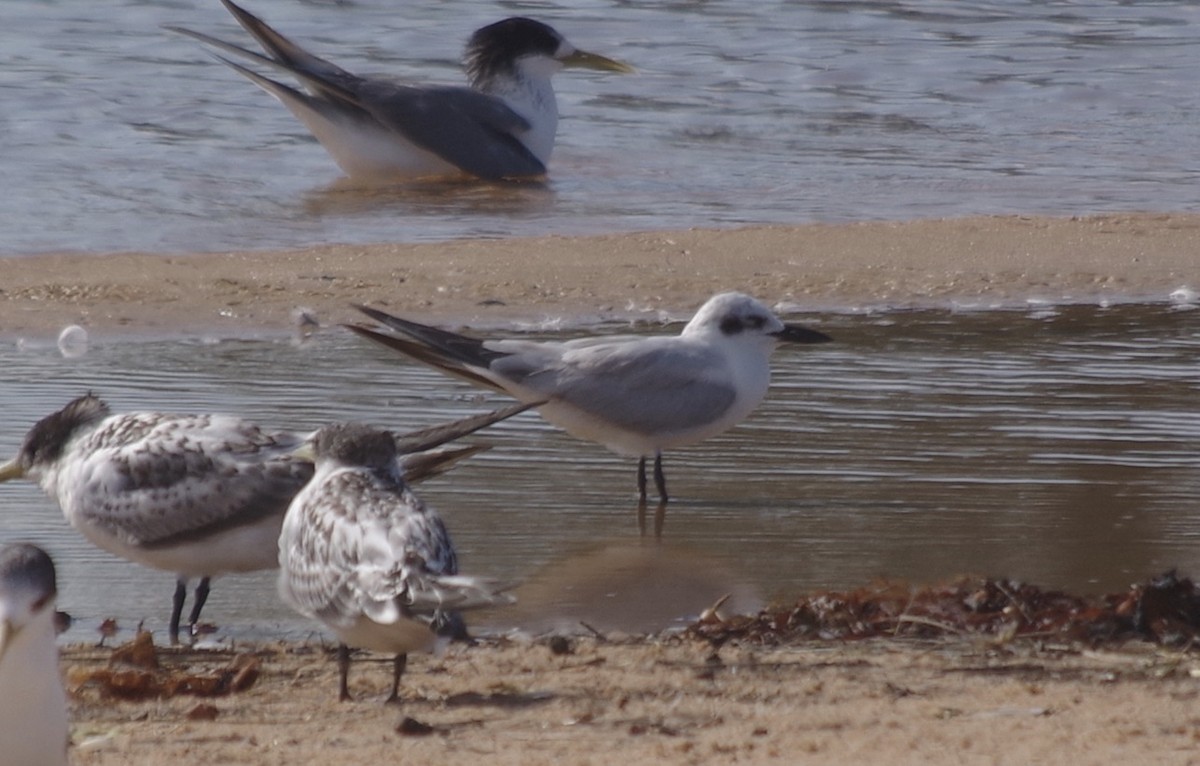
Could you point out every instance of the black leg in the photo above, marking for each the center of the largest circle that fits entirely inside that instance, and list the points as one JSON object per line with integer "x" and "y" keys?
{"x": 641, "y": 517}
{"x": 343, "y": 661}
{"x": 660, "y": 481}
{"x": 660, "y": 517}
{"x": 642, "y": 479}
{"x": 398, "y": 666}
{"x": 177, "y": 609}
{"x": 201, "y": 596}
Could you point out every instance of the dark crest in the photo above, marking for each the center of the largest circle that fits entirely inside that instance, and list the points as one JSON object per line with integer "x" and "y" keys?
{"x": 355, "y": 444}
{"x": 494, "y": 49}
{"x": 45, "y": 441}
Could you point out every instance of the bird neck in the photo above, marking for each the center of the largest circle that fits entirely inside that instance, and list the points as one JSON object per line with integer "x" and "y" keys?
{"x": 530, "y": 95}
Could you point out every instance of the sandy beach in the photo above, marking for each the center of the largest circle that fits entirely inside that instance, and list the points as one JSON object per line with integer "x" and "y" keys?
{"x": 670, "y": 701}
{"x": 978, "y": 262}
{"x": 951, "y": 699}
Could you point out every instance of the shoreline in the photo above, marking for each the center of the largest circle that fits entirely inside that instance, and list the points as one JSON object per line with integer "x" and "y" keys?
{"x": 617, "y": 699}
{"x": 980, "y": 262}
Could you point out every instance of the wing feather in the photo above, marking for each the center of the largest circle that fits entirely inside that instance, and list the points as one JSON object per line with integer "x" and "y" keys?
{"x": 155, "y": 480}
{"x": 654, "y": 386}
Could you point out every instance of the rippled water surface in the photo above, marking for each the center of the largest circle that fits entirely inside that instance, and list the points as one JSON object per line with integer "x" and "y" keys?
{"x": 119, "y": 135}
{"x": 1056, "y": 445}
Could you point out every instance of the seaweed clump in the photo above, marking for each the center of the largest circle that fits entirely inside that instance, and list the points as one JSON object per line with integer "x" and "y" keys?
{"x": 1165, "y": 610}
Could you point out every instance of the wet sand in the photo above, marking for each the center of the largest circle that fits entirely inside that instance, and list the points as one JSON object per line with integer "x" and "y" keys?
{"x": 649, "y": 699}
{"x": 975, "y": 262}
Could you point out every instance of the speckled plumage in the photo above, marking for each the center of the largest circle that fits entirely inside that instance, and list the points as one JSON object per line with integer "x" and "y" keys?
{"x": 197, "y": 495}
{"x": 365, "y": 556}
{"x": 143, "y": 481}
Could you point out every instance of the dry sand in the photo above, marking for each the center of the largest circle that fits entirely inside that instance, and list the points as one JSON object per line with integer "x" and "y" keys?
{"x": 973, "y": 261}
{"x": 649, "y": 700}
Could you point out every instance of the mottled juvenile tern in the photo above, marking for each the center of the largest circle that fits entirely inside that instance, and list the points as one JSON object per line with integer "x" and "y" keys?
{"x": 33, "y": 705}
{"x": 196, "y": 495}
{"x": 362, "y": 554}
{"x": 500, "y": 127}
{"x": 635, "y": 395}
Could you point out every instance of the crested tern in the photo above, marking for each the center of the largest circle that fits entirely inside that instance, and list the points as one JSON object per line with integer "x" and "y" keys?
{"x": 635, "y": 395}
{"x": 196, "y": 495}
{"x": 501, "y": 126}
{"x": 362, "y": 554}
{"x": 33, "y": 705}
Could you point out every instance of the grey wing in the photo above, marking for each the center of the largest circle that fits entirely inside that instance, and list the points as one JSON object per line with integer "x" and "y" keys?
{"x": 473, "y": 131}
{"x": 645, "y": 387}
{"x": 321, "y": 77}
{"x": 334, "y": 89}
{"x": 423, "y": 439}
{"x": 187, "y": 484}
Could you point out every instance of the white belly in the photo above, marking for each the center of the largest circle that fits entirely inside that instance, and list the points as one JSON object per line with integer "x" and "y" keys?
{"x": 400, "y": 637}
{"x": 242, "y": 549}
{"x": 33, "y": 705}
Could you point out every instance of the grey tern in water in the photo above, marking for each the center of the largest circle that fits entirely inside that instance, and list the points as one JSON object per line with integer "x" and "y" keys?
{"x": 33, "y": 705}
{"x": 500, "y": 127}
{"x": 635, "y": 395}
{"x": 362, "y": 554}
{"x": 196, "y": 495}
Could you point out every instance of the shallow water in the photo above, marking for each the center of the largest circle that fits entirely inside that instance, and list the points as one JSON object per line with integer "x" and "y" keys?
{"x": 119, "y": 135}
{"x": 1059, "y": 445}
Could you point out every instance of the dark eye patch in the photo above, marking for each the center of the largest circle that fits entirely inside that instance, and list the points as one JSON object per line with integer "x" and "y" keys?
{"x": 734, "y": 325}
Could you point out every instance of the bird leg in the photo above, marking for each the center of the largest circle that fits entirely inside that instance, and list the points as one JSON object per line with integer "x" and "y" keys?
{"x": 642, "y": 479}
{"x": 398, "y": 666}
{"x": 343, "y": 661}
{"x": 660, "y": 481}
{"x": 201, "y": 596}
{"x": 177, "y": 609}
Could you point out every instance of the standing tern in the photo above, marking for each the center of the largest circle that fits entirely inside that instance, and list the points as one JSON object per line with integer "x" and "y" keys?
{"x": 33, "y": 705}
{"x": 197, "y": 495}
{"x": 500, "y": 127}
{"x": 362, "y": 554}
{"x": 635, "y": 395}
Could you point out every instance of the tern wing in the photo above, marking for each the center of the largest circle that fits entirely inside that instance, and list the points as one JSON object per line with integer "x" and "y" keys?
{"x": 650, "y": 386}
{"x": 473, "y": 131}
{"x": 419, "y": 466}
{"x": 646, "y": 385}
{"x": 186, "y": 478}
{"x": 435, "y": 436}
{"x": 320, "y": 73}
{"x": 422, "y": 353}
